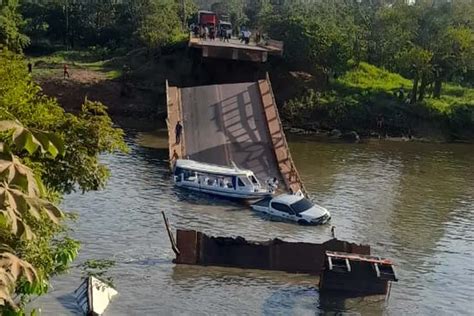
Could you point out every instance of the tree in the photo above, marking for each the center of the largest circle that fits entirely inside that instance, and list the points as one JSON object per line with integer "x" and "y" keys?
{"x": 27, "y": 218}
{"x": 321, "y": 38}
{"x": 235, "y": 9}
{"x": 46, "y": 155}
{"x": 416, "y": 61}
{"x": 453, "y": 53}
{"x": 159, "y": 23}
{"x": 259, "y": 12}
{"x": 11, "y": 23}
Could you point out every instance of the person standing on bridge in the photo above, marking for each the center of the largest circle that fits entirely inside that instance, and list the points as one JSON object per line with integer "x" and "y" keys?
{"x": 178, "y": 131}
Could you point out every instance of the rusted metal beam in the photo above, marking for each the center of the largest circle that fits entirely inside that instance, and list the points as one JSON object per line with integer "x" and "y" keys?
{"x": 170, "y": 235}
{"x": 293, "y": 257}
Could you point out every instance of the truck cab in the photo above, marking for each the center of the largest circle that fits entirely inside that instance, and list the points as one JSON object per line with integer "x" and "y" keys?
{"x": 207, "y": 18}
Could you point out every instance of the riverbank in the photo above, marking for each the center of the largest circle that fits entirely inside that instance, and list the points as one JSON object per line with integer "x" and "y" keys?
{"x": 372, "y": 102}
{"x": 366, "y": 102}
{"x": 97, "y": 78}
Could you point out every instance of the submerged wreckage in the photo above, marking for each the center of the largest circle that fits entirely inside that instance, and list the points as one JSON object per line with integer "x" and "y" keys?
{"x": 342, "y": 266}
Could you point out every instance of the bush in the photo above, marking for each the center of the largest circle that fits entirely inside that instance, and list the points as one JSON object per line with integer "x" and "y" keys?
{"x": 366, "y": 92}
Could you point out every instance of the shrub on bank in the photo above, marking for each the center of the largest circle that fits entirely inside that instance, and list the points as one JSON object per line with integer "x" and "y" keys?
{"x": 366, "y": 95}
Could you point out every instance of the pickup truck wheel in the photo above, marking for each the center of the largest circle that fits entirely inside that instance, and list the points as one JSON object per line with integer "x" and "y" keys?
{"x": 303, "y": 222}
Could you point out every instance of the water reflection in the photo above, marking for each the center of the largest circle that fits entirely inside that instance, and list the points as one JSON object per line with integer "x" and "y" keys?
{"x": 411, "y": 202}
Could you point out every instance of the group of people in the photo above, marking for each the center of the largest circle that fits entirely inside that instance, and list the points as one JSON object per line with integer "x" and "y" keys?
{"x": 65, "y": 69}
{"x": 272, "y": 184}
{"x": 210, "y": 32}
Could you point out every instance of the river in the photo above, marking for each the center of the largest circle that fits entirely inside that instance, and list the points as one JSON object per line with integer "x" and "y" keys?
{"x": 413, "y": 202}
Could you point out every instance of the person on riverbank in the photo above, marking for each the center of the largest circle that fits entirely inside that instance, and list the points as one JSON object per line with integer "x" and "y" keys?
{"x": 380, "y": 121}
{"x": 178, "y": 132}
{"x": 30, "y": 67}
{"x": 65, "y": 71}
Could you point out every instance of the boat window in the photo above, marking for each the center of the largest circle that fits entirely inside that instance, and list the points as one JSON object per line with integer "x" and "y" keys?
{"x": 254, "y": 180}
{"x": 189, "y": 175}
{"x": 244, "y": 181}
{"x": 301, "y": 206}
{"x": 282, "y": 208}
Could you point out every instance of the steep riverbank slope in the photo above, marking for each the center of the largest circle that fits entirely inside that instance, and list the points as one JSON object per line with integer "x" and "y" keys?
{"x": 366, "y": 100}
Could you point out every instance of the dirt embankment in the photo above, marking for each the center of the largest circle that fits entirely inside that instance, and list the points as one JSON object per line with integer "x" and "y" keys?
{"x": 95, "y": 86}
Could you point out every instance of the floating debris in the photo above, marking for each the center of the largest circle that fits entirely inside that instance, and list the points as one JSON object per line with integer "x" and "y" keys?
{"x": 356, "y": 274}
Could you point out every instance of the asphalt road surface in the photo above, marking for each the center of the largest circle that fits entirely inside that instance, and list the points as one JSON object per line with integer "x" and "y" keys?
{"x": 224, "y": 123}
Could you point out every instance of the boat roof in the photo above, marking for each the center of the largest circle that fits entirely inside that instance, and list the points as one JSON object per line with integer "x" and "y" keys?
{"x": 210, "y": 168}
{"x": 287, "y": 198}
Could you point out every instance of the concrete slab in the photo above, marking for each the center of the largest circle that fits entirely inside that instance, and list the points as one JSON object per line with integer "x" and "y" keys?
{"x": 225, "y": 123}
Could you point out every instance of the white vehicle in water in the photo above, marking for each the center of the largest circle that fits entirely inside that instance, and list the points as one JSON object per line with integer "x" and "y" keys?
{"x": 293, "y": 207}
{"x": 218, "y": 180}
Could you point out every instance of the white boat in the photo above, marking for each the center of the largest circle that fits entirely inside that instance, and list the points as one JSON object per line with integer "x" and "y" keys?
{"x": 293, "y": 207}
{"x": 93, "y": 296}
{"x": 230, "y": 182}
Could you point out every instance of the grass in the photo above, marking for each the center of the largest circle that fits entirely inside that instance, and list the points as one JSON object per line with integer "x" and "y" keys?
{"x": 371, "y": 78}
{"x": 95, "y": 60}
{"x": 452, "y": 97}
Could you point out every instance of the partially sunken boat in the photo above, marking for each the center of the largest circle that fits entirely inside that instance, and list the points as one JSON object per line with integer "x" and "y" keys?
{"x": 93, "y": 296}
{"x": 230, "y": 182}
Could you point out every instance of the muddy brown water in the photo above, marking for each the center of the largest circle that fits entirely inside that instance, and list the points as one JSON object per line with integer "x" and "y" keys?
{"x": 412, "y": 202}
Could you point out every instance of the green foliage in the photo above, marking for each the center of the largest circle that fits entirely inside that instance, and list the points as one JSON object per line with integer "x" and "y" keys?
{"x": 371, "y": 78}
{"x": 86, "y": 135}
{"x": 12, "y": 269}
{"x": 11, "y": 24}
{"x": 109, "y": 23}
{"x": 21, "y": 210}
{"x": 98, "y": 269}
{"x": 317, "y": 38}
{"x": 45, "y": 153}
{"x": 159, "y": 23}
{"x": 366, "y": 91}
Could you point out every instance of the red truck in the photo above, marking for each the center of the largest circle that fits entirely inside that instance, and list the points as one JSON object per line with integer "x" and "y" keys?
{"x": 207, "y": 18}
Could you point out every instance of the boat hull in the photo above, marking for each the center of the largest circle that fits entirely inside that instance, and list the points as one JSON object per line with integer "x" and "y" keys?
{"x": 226, "y": 194}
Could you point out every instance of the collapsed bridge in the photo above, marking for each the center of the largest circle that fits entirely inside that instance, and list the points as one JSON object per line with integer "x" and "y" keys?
{"x": 232, "y": 123}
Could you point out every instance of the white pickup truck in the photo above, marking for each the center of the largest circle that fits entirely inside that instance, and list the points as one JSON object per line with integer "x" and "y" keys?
{"x": 293, "y": 207}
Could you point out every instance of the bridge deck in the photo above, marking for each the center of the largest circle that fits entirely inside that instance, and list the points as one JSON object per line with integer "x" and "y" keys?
{"x": 232, "y": 122}
{"x": 236, "y": 50}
